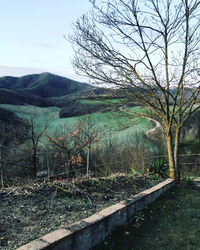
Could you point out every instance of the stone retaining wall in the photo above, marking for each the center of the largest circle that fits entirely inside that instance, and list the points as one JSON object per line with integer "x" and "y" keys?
{"x": 90, "y": 231}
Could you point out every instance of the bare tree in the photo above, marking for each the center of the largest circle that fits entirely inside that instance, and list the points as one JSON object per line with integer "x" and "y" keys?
{"x": 151, "y": 49}
{"x": 88, "y": 135}
{"x": 36, "y": 133}
{"x": 67, "y": 149}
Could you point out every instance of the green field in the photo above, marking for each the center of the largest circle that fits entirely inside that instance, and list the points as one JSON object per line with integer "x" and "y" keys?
{"x": 138, "y": 109}
{"x": 101, "y": 101}
{"x": 121, "y": 124}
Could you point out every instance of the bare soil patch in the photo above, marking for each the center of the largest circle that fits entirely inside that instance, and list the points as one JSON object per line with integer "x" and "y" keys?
{"x": 30, "y": 211}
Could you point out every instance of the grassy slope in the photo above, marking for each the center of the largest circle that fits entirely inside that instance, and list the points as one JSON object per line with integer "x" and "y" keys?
{"x": 121, "y": 123}
{"x": 101, "y": 101}
{"x": 137, "y": 109}
{"x": 172, "y": 222}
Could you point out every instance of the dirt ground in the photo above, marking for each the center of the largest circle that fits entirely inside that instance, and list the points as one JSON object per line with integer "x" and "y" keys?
{"x": 30, "y": 211}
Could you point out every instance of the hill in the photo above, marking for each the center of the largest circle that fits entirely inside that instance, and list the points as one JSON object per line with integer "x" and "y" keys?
{"x": 39, "y": 89}
{"x": 44, "y": 90}
{"x": 43, "y": 85}
{"x": 8, "y": 96}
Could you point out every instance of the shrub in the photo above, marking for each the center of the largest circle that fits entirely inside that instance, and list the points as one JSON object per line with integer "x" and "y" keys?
{"x": 159, "y": 167}
{"x": 189, "y": 180}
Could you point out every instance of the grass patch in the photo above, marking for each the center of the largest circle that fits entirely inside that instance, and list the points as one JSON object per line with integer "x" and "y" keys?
{"x": 28, "y": 110}
{"x": 172, "y": 222}
{"x": 138, "y": 109}
{"x": 120, "y": 123}
{"x": 101, "y": 101}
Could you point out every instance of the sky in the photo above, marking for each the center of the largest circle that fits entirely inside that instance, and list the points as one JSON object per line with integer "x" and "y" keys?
{"x": 32, "y": 36}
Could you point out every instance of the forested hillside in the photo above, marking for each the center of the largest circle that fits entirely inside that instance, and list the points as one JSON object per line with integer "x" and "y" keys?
{"x": 39, "y": 89}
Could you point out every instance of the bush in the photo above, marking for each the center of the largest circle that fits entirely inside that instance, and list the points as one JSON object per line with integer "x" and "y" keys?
{"x": 159, "y": 167}
{"x": 114, "y": 157}
{"x": 189, "y": 180}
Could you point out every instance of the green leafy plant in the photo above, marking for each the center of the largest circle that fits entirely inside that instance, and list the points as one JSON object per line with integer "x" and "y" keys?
{"x": 92, "y": 182}
{"x": 142, "y": 172}
{"x": 138, "y": 220}
{"x": 189, "y": 180}
{"x": 99, "y": 182}
{"x": 159, "y": 167}
{"x": 134, "y": 172}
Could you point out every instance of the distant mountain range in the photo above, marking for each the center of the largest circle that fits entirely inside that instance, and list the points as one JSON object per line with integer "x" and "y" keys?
{"x": 43, "y": 90}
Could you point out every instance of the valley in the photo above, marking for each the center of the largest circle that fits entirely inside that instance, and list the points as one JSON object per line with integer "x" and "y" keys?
{"x": 69, "y": 100}
{"x": 99, "y": 117}
{"x": 120, "y": 123}
{"x": 70, "y": 152}
{"x": 103, "y": 127}
{"x": 113, "y": 133}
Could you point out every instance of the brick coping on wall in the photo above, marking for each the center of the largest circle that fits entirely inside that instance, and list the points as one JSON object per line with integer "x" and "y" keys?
{"x": 88, "y": 232}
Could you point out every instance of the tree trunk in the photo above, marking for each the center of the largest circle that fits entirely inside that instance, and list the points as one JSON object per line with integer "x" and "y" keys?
{"x": 170, "y": 156}
{"x": 88, "y": 162}
{"x": 176, "y": 154}
{"x": 35, "y": 162}
{"x": 1, "y": 167}
{"x": 47, "y": 164}
{"x": 2, "y": 181}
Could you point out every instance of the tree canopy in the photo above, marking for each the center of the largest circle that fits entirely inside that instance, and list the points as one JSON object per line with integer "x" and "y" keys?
{"x": 151, "y": 49}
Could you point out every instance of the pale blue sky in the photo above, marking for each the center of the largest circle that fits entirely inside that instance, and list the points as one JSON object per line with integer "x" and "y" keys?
{"x": 31, "y": 36}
